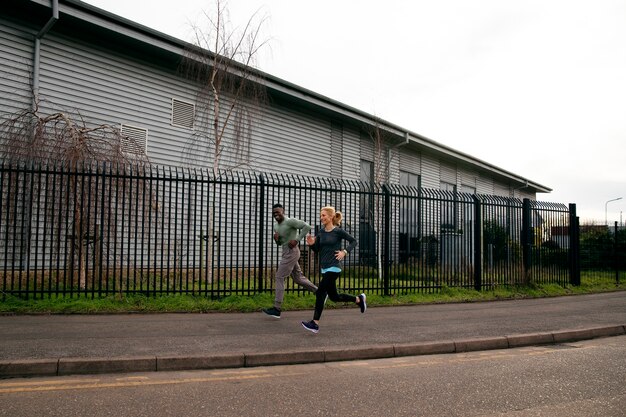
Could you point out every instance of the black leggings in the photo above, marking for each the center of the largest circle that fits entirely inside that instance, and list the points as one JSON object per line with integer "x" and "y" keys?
{"x": 328, "y": 286}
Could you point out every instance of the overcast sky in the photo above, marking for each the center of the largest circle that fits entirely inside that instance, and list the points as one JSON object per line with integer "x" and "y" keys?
{"x": 536, "y": 87}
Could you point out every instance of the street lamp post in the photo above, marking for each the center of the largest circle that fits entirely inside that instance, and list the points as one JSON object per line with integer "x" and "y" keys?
{"x": 606, "y": 220}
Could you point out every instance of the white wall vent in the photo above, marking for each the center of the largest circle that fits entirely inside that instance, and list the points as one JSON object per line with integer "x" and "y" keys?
{"x": 183, "y": 113}
{"x": 134, "y": 139}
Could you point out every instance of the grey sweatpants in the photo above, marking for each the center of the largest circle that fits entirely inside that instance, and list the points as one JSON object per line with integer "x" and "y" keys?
{"x": 289, "y": 266}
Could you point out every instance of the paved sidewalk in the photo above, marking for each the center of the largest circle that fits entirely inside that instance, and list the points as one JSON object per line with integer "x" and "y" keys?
{"x": 38, "y": 345}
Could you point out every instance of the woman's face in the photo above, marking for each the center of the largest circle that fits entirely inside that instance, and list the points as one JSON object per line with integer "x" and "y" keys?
{"x": 325, "y": 217}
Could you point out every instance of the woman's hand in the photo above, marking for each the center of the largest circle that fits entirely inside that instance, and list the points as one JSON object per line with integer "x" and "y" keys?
{"x": 310, "y": 240}
{"x": 340, "y": 254}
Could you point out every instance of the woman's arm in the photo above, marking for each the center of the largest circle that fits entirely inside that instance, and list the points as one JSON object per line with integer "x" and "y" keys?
{"x": 352, "y": 242}
{"x": 313, "y": 243}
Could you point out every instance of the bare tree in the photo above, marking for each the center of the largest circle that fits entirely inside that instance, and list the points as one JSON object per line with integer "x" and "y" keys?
{"x": 381, "y": 159}
{"x": 230, "y": 99}
{"x": 60, "y": 141}
{"x": 232, "y": 92}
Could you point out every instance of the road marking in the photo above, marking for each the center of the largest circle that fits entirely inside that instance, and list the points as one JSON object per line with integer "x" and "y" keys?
{"x": 475, "y": 357}
{"x": 43, "y": 386}
{"x": 25, "y": 384}
{"x": 353, "y": 364}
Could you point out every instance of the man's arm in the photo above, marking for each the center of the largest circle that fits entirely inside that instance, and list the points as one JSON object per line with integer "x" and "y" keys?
{"x": 303, "y": 228}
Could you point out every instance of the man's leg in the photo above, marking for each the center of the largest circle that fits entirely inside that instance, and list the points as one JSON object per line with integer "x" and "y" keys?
{"x": 299, "y": 278}
{"x": 284, "y": 270}
{"x": 282, "y": 273}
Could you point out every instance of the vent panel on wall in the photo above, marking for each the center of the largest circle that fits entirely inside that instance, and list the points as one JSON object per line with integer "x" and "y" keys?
{"x": 134, "y": 139}
{"x": 107, "y": 87}
{"x": 183, "y": 113}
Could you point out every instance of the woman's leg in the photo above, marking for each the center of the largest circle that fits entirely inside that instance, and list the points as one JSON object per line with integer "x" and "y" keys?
{"x": 320, "y": 295}
{"x": 334, "y": 295}
{"x": 328, "y": 286}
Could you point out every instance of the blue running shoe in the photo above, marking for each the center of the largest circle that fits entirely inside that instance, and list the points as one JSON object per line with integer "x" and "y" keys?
{"x": 311, "y": 326}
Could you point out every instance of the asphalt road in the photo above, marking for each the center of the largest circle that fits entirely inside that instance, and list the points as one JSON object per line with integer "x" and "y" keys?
{"x": 69, "y": 344}
{"x": 586, "y": 378}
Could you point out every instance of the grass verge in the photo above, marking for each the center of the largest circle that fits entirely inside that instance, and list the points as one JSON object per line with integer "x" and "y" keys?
{"x": 198, "y": 304}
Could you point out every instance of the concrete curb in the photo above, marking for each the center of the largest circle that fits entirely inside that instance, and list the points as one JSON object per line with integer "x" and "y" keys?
{"x": 367, "y": 352}
{"x": 70, "y": 366}
{"x": 423, "y": 348}
{"x": 176, "y": 363}
{"x": 283, "y": 358}
{"x": 481, "y": 344}
{"x": 530, "y": 339}
{"x": 29, "y": 367}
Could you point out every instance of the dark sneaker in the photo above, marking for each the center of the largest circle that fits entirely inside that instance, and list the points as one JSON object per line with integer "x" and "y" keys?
{"x": 274, "y": 312}
{"x": 362, "y": 304}
{"x": 311, "y": 326}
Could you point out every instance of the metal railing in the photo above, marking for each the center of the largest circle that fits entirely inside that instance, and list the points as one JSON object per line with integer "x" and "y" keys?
{"x": 603, "y": 252}
{"x": 103, "y": 229}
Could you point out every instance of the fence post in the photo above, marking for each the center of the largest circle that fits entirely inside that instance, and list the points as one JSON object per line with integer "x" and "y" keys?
{"x": 574, "y": 247}
{"x": 387, "y": 241}
{"x": 478, "y": 243}
{"x": 261, "y": 237}
{"x": 615, "y": 258}
{"x": 527, "y": 239}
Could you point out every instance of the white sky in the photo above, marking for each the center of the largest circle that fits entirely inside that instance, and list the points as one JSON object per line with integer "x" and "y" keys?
{"x": 536, "y": 87}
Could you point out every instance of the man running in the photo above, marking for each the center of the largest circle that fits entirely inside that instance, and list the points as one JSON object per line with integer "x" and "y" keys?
{"x": 287, "y": 233}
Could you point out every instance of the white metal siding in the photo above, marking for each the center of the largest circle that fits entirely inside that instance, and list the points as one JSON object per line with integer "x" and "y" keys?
{"x": 521, "y": 194}
{"x": 351, "y": 153}
{"x": 501, "y": 190}
{"x": 289, "y": 141}
{"x": 410, "y": 161}
{"x": 448, "y": 174}
{"x": 336, "y": 150}
{"x": 108, "y": 89}
{"x": 468, "y": 178}
{"x": 431, "y": 177}
{"x": 394, "y": 166}
{"x": 484, "y": 185}
{"x": 16, "y": 56}
{"x": 367, "y": 148}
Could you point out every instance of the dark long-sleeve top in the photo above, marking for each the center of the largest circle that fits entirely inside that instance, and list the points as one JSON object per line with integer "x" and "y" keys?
{"x": 327, "y": 243}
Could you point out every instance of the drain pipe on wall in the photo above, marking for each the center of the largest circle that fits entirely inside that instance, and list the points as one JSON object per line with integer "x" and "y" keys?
{"x": 405, "y": 142}
{"x": 520, "y": 188}
{"x": 396, "y": 146}
{"x": 37, "y": 50}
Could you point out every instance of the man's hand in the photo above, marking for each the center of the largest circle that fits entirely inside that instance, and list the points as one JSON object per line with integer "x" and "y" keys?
{"x": 293, "y": 243}
{"x": 276, "y": 237}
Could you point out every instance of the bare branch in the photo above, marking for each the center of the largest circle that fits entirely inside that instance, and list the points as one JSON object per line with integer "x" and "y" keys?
{"x": 231, "y": 91}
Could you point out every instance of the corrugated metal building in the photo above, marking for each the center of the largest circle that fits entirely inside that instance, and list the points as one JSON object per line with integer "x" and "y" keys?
{"x": 80, "y": 59}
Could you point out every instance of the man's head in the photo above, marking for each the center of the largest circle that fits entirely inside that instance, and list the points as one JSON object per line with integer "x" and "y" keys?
{"x": 278, "y": 212}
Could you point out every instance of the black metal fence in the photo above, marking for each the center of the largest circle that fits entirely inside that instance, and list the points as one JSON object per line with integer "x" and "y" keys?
{"x": 603, "y": 252}
{"x": 102, "y": 229}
